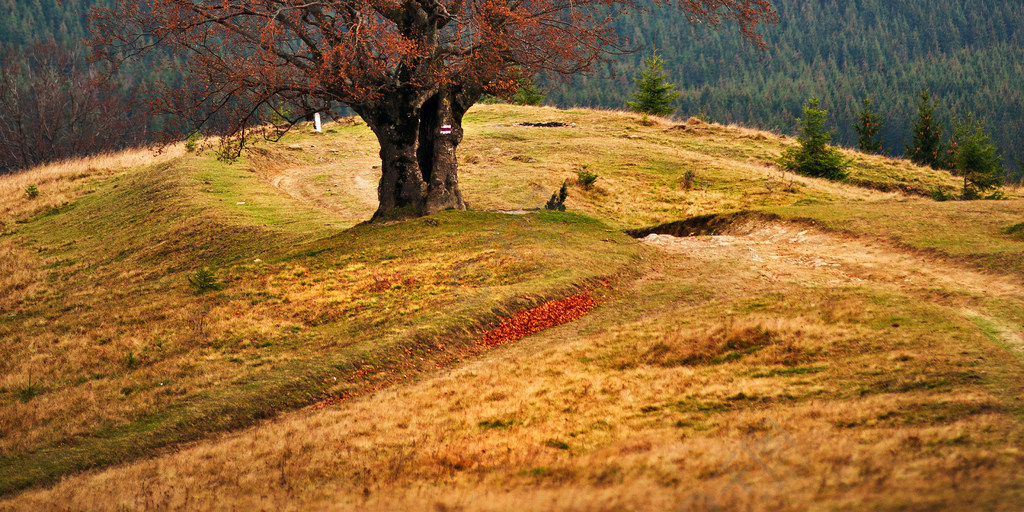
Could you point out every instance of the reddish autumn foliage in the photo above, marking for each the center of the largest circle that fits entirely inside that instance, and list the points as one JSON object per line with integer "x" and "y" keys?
{"x": 531, "y": 321}
{"x": 407, "y": 67}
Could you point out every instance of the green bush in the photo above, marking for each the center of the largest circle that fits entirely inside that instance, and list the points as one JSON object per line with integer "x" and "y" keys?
{"x": 29, "y": 391}
{"x": 940, "y": 194}
{"x": 976, "y": 160}
{"x": 204, "y": 280}
{"x": 688, "y": 179}
{"x": 867, "y": 128}
{"x": 191, "y": 142}
{"x": 1016, "y": 231}
{"x": 557, "y": 201}
{"x": 557, "y": 443}
{"x": 586, "y": 178}
{"x": 31, "y": 191}
{"x": 130, "y": 359}
{"x": 926, "y": 147}
{"x": 528, "y": 94}
{"x": 814, "y": 157}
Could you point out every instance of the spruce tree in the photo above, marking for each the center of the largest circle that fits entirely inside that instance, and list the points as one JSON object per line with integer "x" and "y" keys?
{"x": 814, "y": 157}
{"x": 653, "y": 94}
{"x": 528, "y": 94}
{"x": 975, "y": 158}
{"x": 926, "y": 147}
{"x": 867, "y": 128}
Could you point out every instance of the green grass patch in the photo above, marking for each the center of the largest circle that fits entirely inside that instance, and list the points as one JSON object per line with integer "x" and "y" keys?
{"x": 1016, "y": 231}
{"x": 788, "y": 372}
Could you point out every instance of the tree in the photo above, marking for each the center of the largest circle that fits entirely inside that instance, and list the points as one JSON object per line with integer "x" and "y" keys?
{"x": 926, "y": 147}
{"x": 528, "y": 94}
{"x": 814, "y": 157}
{"x": 53, "y": 106}
{"x": 410, "y": 68}
{"x": 654, "y": 94}
{"x": 867, "y": 128}
{"x": 975, "y": 158}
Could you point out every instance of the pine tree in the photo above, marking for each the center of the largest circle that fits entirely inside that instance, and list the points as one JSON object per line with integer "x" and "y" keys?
{"x": 867, "y": 128}
{"x": 975, "y": 158}
{"x": 927, "y": 147}
{"x": 653, "y": 94}
{"x": 528, "y": 94}
{"x": 814, "y": 157}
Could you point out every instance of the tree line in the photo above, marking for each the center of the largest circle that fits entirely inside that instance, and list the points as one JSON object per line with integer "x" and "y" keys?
{"x": 968, "y": 153}
{"x": 968, "y": 53}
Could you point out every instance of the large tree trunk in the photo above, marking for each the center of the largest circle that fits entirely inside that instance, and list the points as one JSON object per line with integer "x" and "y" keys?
{"x": 419, "y": 167}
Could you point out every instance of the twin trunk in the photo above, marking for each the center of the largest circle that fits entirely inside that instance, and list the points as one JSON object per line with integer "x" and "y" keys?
{"x": 419, "y": 170}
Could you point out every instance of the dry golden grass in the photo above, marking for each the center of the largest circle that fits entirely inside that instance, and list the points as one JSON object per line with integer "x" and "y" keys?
{"x": 774, "y": 367}
{"x": 700, "y": 386}
{"x": 62, "y": 182}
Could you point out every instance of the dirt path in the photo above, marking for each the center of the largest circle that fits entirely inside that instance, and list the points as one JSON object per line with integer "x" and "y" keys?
{"x": 796, "y": 254}
{"x": 344, "y": 183}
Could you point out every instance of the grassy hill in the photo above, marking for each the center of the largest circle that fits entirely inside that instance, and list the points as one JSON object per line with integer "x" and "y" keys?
{"x": 847, "y": 345}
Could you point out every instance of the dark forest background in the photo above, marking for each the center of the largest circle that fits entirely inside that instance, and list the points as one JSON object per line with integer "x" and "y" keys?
{"x": 969, "y": 53}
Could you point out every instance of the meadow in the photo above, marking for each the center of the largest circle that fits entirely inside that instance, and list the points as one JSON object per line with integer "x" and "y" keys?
{"x": 849, "y": 345}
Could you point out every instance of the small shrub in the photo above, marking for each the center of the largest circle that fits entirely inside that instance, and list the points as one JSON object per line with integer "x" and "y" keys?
{"x": 490, "y": 99}
{"x": 131, "y": 360}
{"x": 555, "y": 443}
{"x": 557, "y": 201}
{"x": 1016, "y": 231}
{"x": 528, "y": 94}
{"x": 31, "y": 192}
{"x": 586, "y": 178}
{"x": 975, "y": 159}
{"x": 496, "y": 424}
{"x": 30, "y": 391}
{"x": 654, "y": 94}
{"x": 703, "y": 114}
{"x": 814, "y": 157}
{"x": 204, "y": 280}
{"x": 191, "y": 142}
{"x": 940, "y": 194}
{"x": 688, "y": 177}
{"x": 280, "y": 117}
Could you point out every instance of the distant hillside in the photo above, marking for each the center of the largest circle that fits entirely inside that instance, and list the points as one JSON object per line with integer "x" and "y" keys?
{"x": 33, "y": 21}
{"x": 969, "y": 52}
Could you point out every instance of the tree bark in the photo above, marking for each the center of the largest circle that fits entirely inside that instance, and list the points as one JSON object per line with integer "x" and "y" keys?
{"x": 418, "y": 141}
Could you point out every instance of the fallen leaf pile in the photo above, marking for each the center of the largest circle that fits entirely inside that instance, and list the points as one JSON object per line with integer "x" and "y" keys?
{"x": 531, "y": 321}
{"x": 524, "y": 323}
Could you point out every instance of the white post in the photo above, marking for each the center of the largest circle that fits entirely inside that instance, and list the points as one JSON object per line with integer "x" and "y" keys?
{"x": 316, "y": 121}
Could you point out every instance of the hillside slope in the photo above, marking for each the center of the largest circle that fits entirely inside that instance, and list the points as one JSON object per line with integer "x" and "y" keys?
{"x": 842, "y": 345}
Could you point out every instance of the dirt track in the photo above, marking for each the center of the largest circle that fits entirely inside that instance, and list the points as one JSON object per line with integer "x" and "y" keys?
{"x": 796, "y": 254}
{"x": 352, "y": 195}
